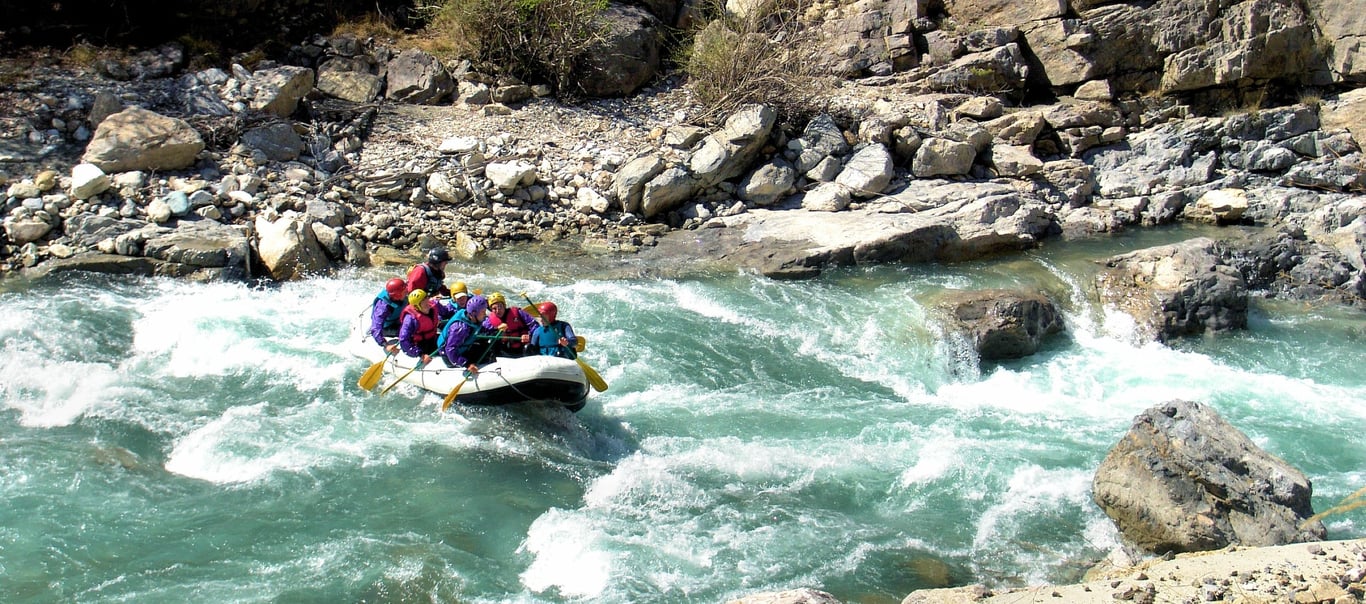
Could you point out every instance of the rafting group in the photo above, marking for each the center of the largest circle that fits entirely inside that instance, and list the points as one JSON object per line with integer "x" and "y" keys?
{"x": 425, "y": 318}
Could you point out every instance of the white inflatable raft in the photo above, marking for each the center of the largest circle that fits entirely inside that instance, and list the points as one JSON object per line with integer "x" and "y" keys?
{"x": 504, "y": 381}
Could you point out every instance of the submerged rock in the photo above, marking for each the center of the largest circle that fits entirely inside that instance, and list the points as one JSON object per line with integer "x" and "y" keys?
{"x": 1002, "y": 324}
{"x": 1176, "y": 290}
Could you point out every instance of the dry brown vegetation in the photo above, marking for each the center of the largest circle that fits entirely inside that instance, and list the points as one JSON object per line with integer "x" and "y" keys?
{"x": 534, "y": 40}
{"x": 765, "y": 55}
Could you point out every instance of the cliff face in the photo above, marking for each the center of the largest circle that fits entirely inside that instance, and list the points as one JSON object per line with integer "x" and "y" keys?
{"x": 1226, "y": 52}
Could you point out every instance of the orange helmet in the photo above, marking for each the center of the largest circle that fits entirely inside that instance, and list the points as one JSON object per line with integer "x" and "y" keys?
{"x": 397, "y": 289}
{"x": 548, "y": 310}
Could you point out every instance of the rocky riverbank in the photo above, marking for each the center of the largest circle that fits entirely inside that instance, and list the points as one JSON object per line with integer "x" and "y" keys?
{"x": 299, "y": 181}
{"x": 1327, "y": 572}
{"x": 351, "y": 152}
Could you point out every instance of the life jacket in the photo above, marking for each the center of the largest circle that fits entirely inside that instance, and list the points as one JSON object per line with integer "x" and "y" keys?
{"x": 434, "y": 281}
{"x": 395, "y": 311}
{"x": 460, "y": 316}
{"x": 426, "y": 323}
{"x": 515, "y": 327}
{"x": 546, "y": 340}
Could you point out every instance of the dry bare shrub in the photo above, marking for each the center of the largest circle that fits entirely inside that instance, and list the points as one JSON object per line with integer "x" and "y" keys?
{"x": 764, "y": 55}
{"x": 369, "y": 25}
{"x": 534, "y": 40}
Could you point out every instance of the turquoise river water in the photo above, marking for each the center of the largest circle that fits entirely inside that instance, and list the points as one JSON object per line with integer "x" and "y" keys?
{"x": 171, "y": 442}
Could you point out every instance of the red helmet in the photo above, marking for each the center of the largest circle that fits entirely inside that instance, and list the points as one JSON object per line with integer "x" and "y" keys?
{"x": 396, "y": 288}
{"x": 548, "y": 310}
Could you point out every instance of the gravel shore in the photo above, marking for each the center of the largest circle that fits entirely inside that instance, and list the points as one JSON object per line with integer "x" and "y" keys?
{"x": 1329, "y": 571}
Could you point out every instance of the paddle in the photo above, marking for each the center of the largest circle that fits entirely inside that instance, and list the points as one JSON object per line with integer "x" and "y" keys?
{"x": 370, "y": 378}
{"x": 401, "y": 378}
{"x": 450, "y": 398}
{"x": 594, "y": 379}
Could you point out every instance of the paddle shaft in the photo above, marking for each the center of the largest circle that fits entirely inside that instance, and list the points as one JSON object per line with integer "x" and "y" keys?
{"x": 420, "y": 365}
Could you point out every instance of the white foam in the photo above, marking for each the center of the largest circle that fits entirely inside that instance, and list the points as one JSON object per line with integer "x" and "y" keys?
{"x": 249, "y": 442}
{"x": 936, "y": 459}
{"x": 49, "y": 393}
{"x": 1032, "y": 490}
{"x": 566, "y": 557}
{"x": 201, "y": 453}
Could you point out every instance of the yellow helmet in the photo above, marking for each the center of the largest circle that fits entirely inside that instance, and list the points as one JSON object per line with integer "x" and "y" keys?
{"x": 458, "y": 288}
{"x": 497, "y": 298}
{"x": 416, "y": 296}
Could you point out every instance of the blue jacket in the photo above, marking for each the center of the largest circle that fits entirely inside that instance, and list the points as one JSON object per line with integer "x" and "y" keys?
{"x": 545, "y": 339}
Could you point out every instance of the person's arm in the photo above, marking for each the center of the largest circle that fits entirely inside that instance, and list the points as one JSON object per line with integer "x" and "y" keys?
{"x": 569, "y": 340}
{"x": 531, "y": 336}
{"x": 455, "y": 340}
{"x": 405, "y": 337}
{"x": 378, "y": 314}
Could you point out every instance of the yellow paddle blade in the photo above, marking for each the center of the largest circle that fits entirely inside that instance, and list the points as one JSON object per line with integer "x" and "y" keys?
{"x": 370, "y": 378}
{"x": 531, "y": 310}
{"x": 450, "y": 398}
{"x": 400, "y": 379}
{"x": 594, "y": 379}
{"x": 580, "y": 344}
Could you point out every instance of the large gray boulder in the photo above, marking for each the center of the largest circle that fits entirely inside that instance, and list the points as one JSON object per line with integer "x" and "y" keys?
{"x": 202, "y": 244}
{"x": 354, "y": 86}
{"x": 953, "y": 221}
{"x": 1176, "y": 290}
{"x": 728, "y": 152}
{"x": 868, "y": 171}
{"x": 288, "y": 246}
{"x": 201, "y": 250}
{"x": 277, "y": 140}
{"x": 1183, "y": 479}
{"x": 942, "y": 157}
{"x": 1002, "y": 324}
{"x": 804, "y": 595}
{"x": 769, "y": 183}
{"x": 279, "y": 90}
{"x": 25, "y": 227}
{"x": 630, "y": 180}
{"x": 417, "y": 77}
{"x": 626, "y": 57}
{"x": 138, "y": 139}
{"x": 998, "y": 69}
{"x": 666, "y": 191}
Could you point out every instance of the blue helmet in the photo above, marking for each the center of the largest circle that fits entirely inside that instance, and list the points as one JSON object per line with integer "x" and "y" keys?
{"x": 475, "y": 304}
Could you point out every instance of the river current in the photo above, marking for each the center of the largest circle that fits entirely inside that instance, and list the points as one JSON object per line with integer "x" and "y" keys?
{"x": 166, "y": 441}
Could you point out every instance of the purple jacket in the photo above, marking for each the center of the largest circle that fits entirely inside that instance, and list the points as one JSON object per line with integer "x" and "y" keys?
{"x": 459, "y": 335}
{"x": 384, "y": 317}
